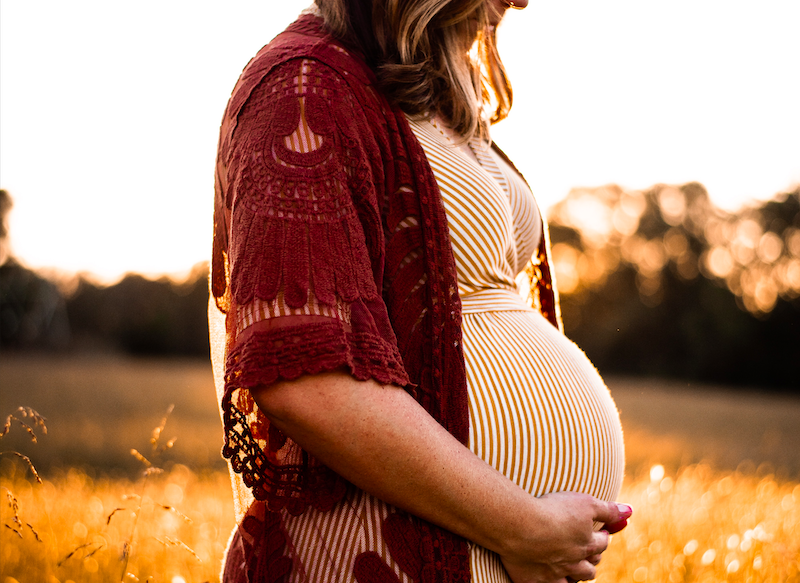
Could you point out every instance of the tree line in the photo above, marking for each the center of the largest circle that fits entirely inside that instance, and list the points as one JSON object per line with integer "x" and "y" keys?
{"x": 657, "y": 282}
{"x": 663, "y": 283}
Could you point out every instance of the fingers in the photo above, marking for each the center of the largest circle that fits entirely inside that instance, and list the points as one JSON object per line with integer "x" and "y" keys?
{"x": 611, "y": 513}
{"x": 584, "y": 571}
{"x": 615, "y": 526}
{"x": 598, "y": 544}
{"x": 624, "y": 512}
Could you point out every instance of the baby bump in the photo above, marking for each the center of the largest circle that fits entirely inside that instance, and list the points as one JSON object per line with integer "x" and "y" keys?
{"x": 539, "y": 411}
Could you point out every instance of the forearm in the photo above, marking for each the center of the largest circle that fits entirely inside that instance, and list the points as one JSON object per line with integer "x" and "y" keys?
{"x": 380, "y": 439}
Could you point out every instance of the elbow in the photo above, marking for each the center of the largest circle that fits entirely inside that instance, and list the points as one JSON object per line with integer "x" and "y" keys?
{"x": 318, "y": 403}
{"x": 276, "y": 401}
{"x": 306, "y": 400}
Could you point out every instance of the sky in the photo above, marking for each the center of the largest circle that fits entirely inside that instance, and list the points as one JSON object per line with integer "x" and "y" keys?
{"x": 109, "y": 111}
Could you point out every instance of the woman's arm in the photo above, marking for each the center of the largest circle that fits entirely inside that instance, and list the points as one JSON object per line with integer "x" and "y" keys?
{"x": 381, "y": 440}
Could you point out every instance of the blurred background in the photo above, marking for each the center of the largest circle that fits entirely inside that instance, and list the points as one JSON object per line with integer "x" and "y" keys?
{"x": 661, "y": 142}
{"x": 660, "y": 139}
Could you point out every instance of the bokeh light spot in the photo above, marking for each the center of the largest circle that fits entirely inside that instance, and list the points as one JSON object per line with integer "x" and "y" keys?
{"x": 748, "y": 232}
{"x": 79, "y": 530}
{"x": 675, "y": 243}
{"x": 173, "y": 493}
{"x": 657, "y": 473}
{"x": 793, "y": 241}
{"x": 766, "y": 295}
{"x": 719, "y": 261}
{"x": 673, "y": 205}
{"x": 565, "y": 259}
{"x": 699, "y": 516}
{"x": 708, "y": 557}
{"x": 690, "y": 547}
{"x": 90, "y": 565}
{"x": 770, "y": 247}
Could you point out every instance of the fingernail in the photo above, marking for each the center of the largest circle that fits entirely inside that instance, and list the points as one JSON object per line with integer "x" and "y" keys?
{"x": 615, "y": 527}
{"x": 624, "y": 510}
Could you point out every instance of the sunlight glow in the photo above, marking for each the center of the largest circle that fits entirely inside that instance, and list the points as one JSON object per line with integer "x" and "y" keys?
{"x": 753, "y": 253}
{"x": 109, "y": 155}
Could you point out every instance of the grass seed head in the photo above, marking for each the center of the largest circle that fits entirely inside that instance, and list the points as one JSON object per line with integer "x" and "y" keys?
{"x": 33, "y": 530}
{"x": 21, "y": 413}
{"x": 157, "y": 431}
{"x": 168, "y": 542}
{"x": 167, "y": 445}
{"x": 135, "y": 453}
{"x": 185, "y": 518}
{"x": 79, "y": 548}
{"x": 113, "y": 512}
{"x": 14, "y": 530}
{"x": 27, "y": 461}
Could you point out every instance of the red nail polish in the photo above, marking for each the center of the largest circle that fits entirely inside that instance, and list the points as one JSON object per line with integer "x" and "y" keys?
{"x": 615, "y": 527}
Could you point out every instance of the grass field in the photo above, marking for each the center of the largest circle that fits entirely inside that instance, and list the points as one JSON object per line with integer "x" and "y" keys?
{"x": 714, "y": 477}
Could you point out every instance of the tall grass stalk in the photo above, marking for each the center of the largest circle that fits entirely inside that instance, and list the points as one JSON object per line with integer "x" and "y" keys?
{"x": 157, "y": 451}
{"x": 696, "y": 525}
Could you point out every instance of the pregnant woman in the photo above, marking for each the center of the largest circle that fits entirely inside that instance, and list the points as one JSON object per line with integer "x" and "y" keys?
{"x": 394, "y": 409}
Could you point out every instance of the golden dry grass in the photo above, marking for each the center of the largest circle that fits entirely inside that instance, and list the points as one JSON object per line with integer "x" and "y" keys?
{"x": 84, "y": 526}
{"x": 704, "y": 526}
{"x": 733, "y": 517}
{"x": 99, "y": 407}
{"x": 697, "y": 526}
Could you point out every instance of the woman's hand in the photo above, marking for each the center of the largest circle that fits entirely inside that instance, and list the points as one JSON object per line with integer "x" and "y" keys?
{"x": 380, "y": 439}
{"x": 572, "y": 548}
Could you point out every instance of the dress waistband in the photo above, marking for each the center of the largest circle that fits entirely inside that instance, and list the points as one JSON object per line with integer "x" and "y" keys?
{"x": 493, "y": 300}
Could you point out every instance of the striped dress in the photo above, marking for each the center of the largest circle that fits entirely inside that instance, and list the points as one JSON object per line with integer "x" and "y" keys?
{"x": 539, "y": 411}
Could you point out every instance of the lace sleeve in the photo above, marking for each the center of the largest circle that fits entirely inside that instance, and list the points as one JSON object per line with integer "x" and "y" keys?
{"x": 303, "y": 265}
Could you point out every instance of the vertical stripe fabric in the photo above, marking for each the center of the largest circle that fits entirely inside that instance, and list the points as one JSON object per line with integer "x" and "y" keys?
{"x": 327, "y": 543}
{"x": 539, "y": 411}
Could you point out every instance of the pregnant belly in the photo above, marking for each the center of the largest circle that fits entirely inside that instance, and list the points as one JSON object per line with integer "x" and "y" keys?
{"x": 539, "y": 411}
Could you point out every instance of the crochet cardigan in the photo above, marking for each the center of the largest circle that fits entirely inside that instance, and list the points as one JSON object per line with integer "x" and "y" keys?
{"x": 354, "y": 224}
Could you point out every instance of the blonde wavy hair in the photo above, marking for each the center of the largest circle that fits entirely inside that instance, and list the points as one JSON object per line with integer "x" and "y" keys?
{"x": 431, "y": 56}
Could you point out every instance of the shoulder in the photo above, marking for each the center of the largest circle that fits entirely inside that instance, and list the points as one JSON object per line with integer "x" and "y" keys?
{"x": 304, "y": 56}
{"x": 306, "y": 40}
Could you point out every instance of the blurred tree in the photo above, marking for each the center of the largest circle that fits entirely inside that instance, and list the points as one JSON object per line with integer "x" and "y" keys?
{"x": 32, "y": 310}
{"x": 656, "y": 282}
{"x": 663, "y": 283}
{"x": 5, "y": 208}
{"x": 142, "y": 316}
{"x": 137, "y": 315}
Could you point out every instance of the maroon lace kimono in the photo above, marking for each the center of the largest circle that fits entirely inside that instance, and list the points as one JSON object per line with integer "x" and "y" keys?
{"x": 330, "y": 250}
